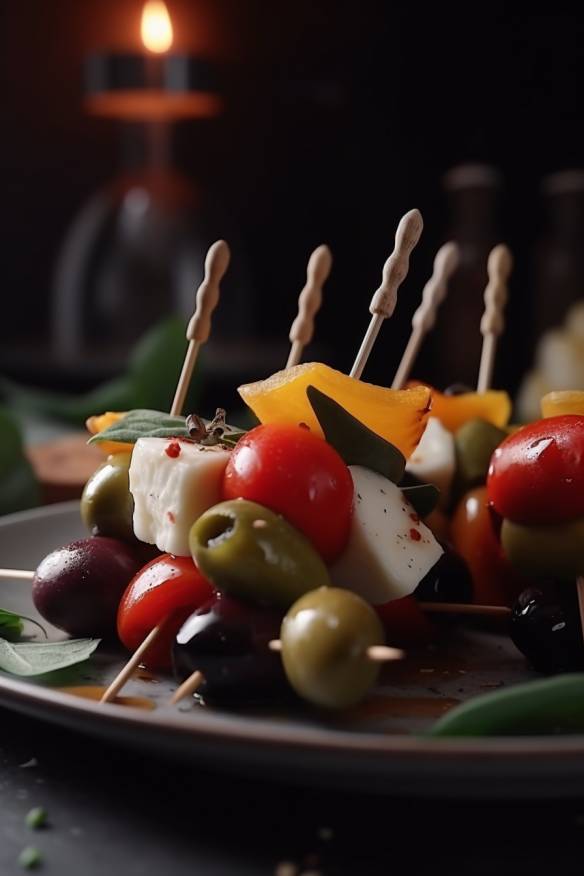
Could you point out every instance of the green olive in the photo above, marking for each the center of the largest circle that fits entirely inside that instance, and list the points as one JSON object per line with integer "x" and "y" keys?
{"x": 248, "y": 551}
{"x": 475, "y": 443}
{"x": 545, "y": 551}
{"x": 107, "y": 506}
{"x": 325, "y": 637}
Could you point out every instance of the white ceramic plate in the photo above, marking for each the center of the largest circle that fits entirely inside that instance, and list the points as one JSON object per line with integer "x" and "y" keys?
{"x": 377, "y": 747}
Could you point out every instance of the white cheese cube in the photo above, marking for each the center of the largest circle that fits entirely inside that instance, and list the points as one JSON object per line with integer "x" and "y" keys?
{"x": 434, "y": 459}
{"x": 173, "y": 482}
{"x": 389, "y": 550}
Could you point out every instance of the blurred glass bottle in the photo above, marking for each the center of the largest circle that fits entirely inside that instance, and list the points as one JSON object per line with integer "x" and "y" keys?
{"x": 558, "y": 268}
{"x": 474, "y": 194}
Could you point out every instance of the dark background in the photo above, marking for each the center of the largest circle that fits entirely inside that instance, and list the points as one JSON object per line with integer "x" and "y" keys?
{"x": 338, "y": 118}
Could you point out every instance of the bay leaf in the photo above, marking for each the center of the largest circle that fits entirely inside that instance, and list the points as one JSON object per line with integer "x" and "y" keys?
{"x": 353, "y": 441}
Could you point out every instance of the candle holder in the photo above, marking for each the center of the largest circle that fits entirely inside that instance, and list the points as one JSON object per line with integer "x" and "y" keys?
{"x": 135, "y": 251}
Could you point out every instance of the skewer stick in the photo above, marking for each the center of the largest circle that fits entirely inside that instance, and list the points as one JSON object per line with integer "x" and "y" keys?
{"x": 395, "y": 271}
{"x": 187, "y": 688}
{"x": 198, "y": 331}
{"x": 199, "y": 327}
{"x": 24, "y": 574}
{"x": 128, "y": 670}
{"x": 424, "y": 318}
{"x": 309, "y": 302}
{"x": 377, "y": 653}
{"x": 465, "y": 608}
{"x": 499, "y": 267}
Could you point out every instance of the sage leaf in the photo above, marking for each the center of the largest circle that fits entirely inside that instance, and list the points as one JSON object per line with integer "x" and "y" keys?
{"x": 142, "y": 423}
{"x": 39, "y": 658}
{"x": 353, "y": 441}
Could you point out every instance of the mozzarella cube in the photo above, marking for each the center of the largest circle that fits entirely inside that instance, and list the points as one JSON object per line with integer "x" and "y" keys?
{"x": 434, "y": 459}
{"x": 173, "y": 482}
{"x": 389, "y": 550}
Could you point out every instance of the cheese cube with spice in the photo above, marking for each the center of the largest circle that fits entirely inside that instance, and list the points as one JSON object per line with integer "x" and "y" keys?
{"x": 173, "y": 482}
{"x": 389, "y": 550}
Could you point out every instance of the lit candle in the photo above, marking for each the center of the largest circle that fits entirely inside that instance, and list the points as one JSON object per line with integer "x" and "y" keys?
{"x": 155, "y": 85}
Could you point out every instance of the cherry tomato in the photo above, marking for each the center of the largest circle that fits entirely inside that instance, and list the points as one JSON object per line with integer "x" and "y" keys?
{"x": 167, "y": 590}
{"x": 536, "y": 475}
{"x": 473, "y": 533}
{"x": 297, "y": 474}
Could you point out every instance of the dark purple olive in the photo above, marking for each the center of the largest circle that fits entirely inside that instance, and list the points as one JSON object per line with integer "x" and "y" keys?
{"x": 545, "y": 626}
{"x": 449, "y": 580}
{"x": 227, "y": 641}
{"x": 78, "y": 587}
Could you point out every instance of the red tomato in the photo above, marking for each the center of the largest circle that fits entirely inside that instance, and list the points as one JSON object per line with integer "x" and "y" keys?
{"x": 297, "y": 474}
{"x": 474, "y": 537}
{"x": 168, "y": 589}
{"x": 537, "y": 474}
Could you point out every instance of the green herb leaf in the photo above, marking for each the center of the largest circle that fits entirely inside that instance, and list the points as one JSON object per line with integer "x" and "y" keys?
{"x": 18, "y": 485}
{"x": 38, "y": 658}
{"x": 30, "y": 858}
{"x": 143, "y": 423}
{"x": 354, "y": 441}
{"x": 36, "y": 817}
{"x": 12, "y": 625}
{"x": 423, "y": 498}
{"x": 155, "y": 424}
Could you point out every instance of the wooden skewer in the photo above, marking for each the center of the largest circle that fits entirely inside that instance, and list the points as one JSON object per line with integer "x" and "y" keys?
{"x": 424, "y": 318}
{"x": 377, "y": 653}
{"x": 24, "y": 574}
{"x": 128, "y": 670}
{"x": 199, "y": 327}
{"x": 499, "y": 267}
{"x": 465, "y": 608}
{"x": 394, "y": 273}
{"x": 309, "y": 302}
{"x": 187, "y": 688}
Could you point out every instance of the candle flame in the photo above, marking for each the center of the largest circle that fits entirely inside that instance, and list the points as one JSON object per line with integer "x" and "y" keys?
{"x": 156, "y": 27}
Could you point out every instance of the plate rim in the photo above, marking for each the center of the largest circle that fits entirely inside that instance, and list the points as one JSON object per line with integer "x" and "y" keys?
{"x": 234, "y": 728}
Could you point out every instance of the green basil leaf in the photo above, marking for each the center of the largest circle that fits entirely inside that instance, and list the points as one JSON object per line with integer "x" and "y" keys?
{"x": 19, "y": 487}
{"x": 38, "y": 658}
{"x": 423, "y": 498}
{"x": 143, "y": 423}
{"x": 354, "y": 441}
{"x": 12, "y": 625}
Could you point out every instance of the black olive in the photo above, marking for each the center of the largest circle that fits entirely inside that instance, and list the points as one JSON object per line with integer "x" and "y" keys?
{"x": 545, "y": 626}
{"x": 449, "y": 580}
{"x": 227, "y": 641}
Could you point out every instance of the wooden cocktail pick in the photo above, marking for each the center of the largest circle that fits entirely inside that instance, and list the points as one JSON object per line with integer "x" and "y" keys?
{"x": 17, "y": 573}
{"x": 467, "y": 608}
{"x": 199, "y": 327}
{"x": 187, "y": 688}
{"x": 198, "y": 331}
{"x": 499, "y": 267}
{"x": 130, "y": 667}
{"x": 423, "y": 320}
{"x": 394, "y": 273}
{"x": 376, "y": 653}
{"x": 309, "y": 302}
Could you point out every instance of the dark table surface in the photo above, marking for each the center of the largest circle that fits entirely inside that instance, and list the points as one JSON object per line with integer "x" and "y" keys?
{"x": 112, "y": 811}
